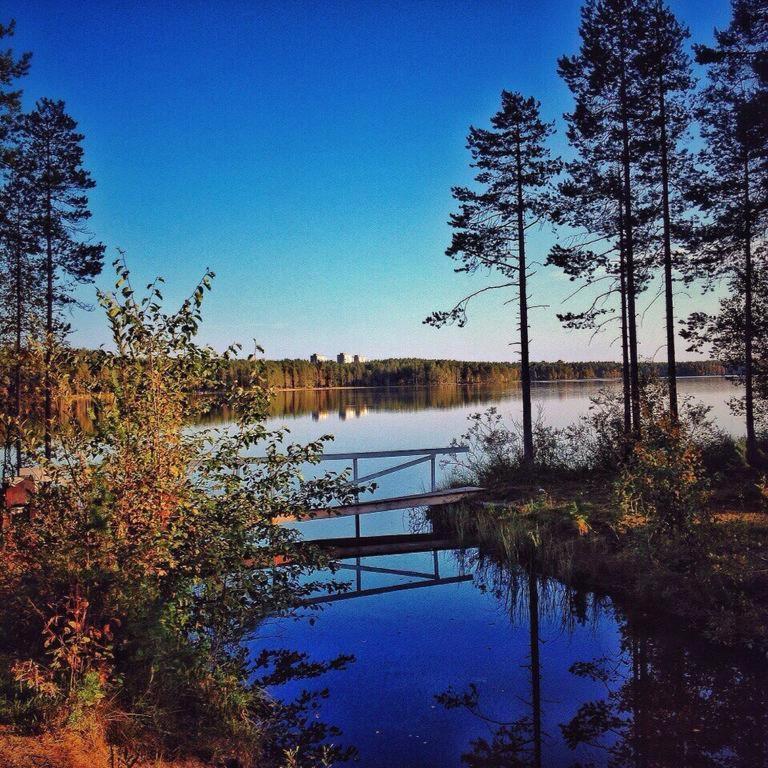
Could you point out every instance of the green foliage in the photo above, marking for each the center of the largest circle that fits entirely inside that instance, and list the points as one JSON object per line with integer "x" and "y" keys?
{"x": 664, "y": 479}
{"x": 150, "y": 553}
{"x": 595, "y": 443}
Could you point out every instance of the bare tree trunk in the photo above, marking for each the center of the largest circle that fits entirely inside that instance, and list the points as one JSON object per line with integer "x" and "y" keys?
{"x": 749, "y": 398}
{"x": 525, "y": 365}
{"x": 668, "y": 284}
{"x": 48, "y": 415}
{"x": 624, "y": 340}
{"x": 634, "y": 375}
{"x": 17, "y": 369}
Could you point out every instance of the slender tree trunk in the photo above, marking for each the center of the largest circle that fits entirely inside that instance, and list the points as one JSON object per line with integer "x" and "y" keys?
{"x": 525, "y": 365}
{"x": 533, "y": 609}
{"x": 48, "y": 415}
{"x": 629, "y": 253}
{"x": 17, "y": 349}
{"x": 624, "y": 340}
{"x": 668, "y": 286}
{"x": 749, "y": 399}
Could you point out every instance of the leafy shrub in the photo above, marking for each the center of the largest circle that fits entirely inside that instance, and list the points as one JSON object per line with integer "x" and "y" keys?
{"x": 594, "y": 442}
{"x": 761, "y": 486}
{"x": 151, "y": 552}
{"x": 664, "y": 478}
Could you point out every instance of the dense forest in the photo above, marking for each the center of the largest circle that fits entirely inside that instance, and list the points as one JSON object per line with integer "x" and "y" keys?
{"x": 290, "y": 374}
{"x": 395, "y": 372}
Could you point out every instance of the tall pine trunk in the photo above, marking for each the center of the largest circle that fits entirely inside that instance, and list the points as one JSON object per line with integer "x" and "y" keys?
{"x": 749, "y": 400}
{"x": 624, "y": 339}
{"x": 17, "y": 377}
{"x": 634, "y": 375}
{"x": 49, "y": 268}
{"x": 667, "y": 226}
{"x": 48, "y": 415}
{"x": 525, "y": 365}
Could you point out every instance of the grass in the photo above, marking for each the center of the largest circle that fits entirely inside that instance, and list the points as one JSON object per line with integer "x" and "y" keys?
{"x": 713, "y": 581}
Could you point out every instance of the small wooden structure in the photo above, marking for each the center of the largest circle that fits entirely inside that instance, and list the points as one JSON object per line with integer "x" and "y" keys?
{"x": 430, "y": 498}
{"x": 357, "y": 547}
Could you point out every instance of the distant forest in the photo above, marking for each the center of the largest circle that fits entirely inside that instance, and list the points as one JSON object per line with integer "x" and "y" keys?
{"x": 395, "y": 372}
{"x": 292, "y": 374}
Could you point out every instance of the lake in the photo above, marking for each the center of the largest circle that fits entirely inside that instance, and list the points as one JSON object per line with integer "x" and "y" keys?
{"x": 443, "y": 663}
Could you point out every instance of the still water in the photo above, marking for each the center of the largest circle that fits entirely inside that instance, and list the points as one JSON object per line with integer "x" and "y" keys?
{"x": 482, "y": 665}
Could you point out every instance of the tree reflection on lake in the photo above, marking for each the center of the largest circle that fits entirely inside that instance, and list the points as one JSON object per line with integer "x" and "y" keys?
{"x": 661, "y": 697}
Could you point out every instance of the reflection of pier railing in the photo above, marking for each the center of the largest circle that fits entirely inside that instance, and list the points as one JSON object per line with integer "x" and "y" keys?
{"x": 358, "y": 547}
{"x": 371, "y": 546}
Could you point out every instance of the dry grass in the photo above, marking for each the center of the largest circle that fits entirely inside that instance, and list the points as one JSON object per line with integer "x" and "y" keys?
{"x": 84, "y": 748}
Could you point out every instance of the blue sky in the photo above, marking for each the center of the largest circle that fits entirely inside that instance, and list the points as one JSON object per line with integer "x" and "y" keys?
{"x": 305, "y": 151}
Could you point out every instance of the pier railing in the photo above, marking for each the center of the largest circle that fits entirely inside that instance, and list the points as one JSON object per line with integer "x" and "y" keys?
{"x": 423, "y": 455}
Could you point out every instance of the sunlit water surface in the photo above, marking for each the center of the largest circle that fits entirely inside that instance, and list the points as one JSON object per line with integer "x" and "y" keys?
{"x": 667, "y": 700}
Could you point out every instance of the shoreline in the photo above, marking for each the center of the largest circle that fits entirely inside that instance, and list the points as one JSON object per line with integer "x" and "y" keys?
{"x": 616, "y": 379}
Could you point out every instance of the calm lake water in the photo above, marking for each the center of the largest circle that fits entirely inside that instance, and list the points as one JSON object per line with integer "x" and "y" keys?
{"x": 647, "y": 697}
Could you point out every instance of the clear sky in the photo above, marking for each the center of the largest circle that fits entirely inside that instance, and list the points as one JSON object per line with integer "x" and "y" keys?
{"x": 305, "y": 151}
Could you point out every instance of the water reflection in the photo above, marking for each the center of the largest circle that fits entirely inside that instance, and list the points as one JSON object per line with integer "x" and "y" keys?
{"x": 662, "y": 697}
{"x": 433, "y": 413}
{"x": 496, "y": 664}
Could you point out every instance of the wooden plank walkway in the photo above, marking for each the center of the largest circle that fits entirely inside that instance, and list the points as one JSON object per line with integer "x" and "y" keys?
{"x": 431, "y": 498}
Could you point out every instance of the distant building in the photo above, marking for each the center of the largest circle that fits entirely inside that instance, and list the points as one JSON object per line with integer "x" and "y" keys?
{"x": 343, "y": 358}
{"x": 315, "y": 358}
{"x": 360, "y": 359}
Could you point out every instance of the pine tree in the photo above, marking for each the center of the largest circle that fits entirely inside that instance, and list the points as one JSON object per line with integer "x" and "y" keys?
{"x": 589, "y": 203}
{"x": 20, "y": 295}
{"x": 12, "y": 68}
{"x": 665, "y": 71}
{"x": 732, "y": 193}
{"x": 515, "y": 169}
{"x": 60, "y": 183}
{"x": 605, "y": 130}
{"x": 12, "y": 273}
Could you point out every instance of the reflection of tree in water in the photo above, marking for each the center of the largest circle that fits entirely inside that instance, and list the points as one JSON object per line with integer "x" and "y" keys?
{"x": 511, "y": 744}
{"x": 523, "y": 590}
{"x": 670, "y": 700}
{"x": 293, "y": 728}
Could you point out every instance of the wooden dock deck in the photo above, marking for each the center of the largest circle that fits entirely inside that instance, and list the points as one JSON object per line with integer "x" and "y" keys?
{"x": 431, "y": 498}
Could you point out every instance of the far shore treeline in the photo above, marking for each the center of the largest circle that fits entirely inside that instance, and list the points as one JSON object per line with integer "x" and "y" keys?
{"x": 407, "y": 371}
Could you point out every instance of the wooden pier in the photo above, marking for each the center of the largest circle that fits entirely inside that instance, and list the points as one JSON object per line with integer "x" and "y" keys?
{"x": 432, "y": 497}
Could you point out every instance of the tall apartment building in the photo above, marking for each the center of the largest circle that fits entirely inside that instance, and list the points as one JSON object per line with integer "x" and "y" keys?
{"x": 315, "y": 358}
